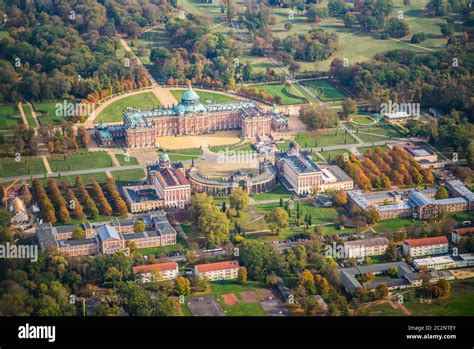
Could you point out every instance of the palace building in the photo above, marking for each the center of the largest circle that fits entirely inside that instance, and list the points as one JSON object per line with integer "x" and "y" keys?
{"x": 107, "y": 238}
{"x": 167, "y": 187}
{"x": 264, "y": 181}
{"x": 190, "y": 117}
{"x": 301, "y": 175}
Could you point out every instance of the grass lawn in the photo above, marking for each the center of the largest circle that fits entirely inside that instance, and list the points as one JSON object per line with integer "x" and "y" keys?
{"x": 127, "y": 176}
{"x": 324, "y": 90}
{"x": 47, "y": 114}
{"x": 242, "y": 147}
{"x": 381, "y": 129}
{"x": 330, "y": 155}
{"x": 385, "y": 309}
{"x": 80, "y": 161}
{"x": 87, "y": 178}
{"x": 125, "y": 160}
{"x": 461, "y": 302}
{"x": 113, "y": 112}
{"x": 160, "y": 250}
{"x": 184, "y": 154}
{"x": 207, "y": 97}
{"x": 283, "y": 145}
{"x": 280, "y": 89}
{"x": 9, "y": 116}
{"x": 275, "y": 194}
{"x": 319, "y": 214}
{"x": 362, "y": 119}
{"x": 27, "y": 166}
{"x": 29, "y": 116}
{"x": 323, "y": 138}
{"x": 396, "y": 224}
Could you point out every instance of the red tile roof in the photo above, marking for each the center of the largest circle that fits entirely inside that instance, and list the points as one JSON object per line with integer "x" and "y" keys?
{"x": 171, "y": 177}
{"x": 152, "y": 267}
{"x": 438, "y": 240}
{"x": 462, "y": 231}
{"x": 202, "y": 268}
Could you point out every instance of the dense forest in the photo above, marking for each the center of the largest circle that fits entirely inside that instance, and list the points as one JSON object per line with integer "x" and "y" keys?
{"x": 59, "y": 50}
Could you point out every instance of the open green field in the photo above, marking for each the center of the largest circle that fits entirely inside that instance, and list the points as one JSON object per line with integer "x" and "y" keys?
{"x": 323, "y": 138}
{"x": 160, "y": 250}
{"x": 460, "y": 303}
{"x": 149, "y": 40}
{"x": 113, "y": 112}
{"x": 127, "y": 176}
{"x": 324, "y": 90}
{"x": 362, "y": 120}
{"x": 378, "y": 132}
{"x": 280, "y": 89}
{"x": 183, "y": 154}
{"x": 207, "y": 97}
{"x": 27, "y": 166}
{"x": 87, "y": 178}
{"x": 29, "y": 116}
{"x": 246, "y": 147}
{"x": 330, "y": 155}
{"x": 80, "y": 161}
{"x": 47, "y": 113}
{"x": 275, "y": 194}
{"x": 283, "y": 145}
{"x": 9, "y": 117}
{"x": 125, "y": 160}
{"x": 319, "y": 215}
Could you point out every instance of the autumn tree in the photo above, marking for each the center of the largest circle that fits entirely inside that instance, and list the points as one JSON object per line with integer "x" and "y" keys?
{"x": 239, "y": 199}
{"x": 306, "y": 280}
{"x": 277, "y": 219}
{"x": 242, "y": 276}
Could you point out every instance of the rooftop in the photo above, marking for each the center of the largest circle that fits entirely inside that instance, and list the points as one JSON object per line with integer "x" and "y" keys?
{"x": 152, "y": 267}
{"x": 438, "y": 240}
{"x": 203, "y": 268}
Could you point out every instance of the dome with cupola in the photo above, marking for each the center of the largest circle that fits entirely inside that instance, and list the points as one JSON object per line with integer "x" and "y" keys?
{"x": 189, "y": 97}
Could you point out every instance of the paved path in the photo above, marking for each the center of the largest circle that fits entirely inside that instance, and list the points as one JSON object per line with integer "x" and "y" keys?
{"x": 46, "y": 164}
{"x": 74, "y": 173}
{"x": 114, "y": 159}
{"x": 359, "y": 145}
{"x": 23, "y": 116}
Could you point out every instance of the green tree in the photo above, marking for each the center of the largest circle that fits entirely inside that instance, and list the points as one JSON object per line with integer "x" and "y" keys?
{"x": 277, "y": 219}
{"x": 242, "y": 276}
{"x": 182, "y": 286}
{"x": 441, "y": 193}
{"x": 239, "y": 199}
{"x": 139, "y": 226}
{"x": 78, "y": 233}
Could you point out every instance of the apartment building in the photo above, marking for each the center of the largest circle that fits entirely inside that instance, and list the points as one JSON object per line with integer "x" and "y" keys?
{"x": 366, "y": 247}
{"x": 457, "y": 234}
{"x": 218, "y": 271}
{"x": 149, "y": 272}
{"x": 425, "y": 246}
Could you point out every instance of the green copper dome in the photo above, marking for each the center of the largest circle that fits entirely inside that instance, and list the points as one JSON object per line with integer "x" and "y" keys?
{"x": 164, "y": 157}
{"x": 189, "y": 96}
